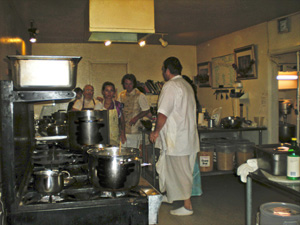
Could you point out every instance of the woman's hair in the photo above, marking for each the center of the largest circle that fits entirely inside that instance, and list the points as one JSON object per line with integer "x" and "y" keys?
{"x": 130, "y": 77}
{"x": 78, "y": 90}
{"x": 174, "y": 65}
{"x": 107, "y": 83}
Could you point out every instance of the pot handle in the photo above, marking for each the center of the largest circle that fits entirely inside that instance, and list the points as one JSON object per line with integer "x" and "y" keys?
{"x": 145, "y": 164}
{"x": 66, "y": 172}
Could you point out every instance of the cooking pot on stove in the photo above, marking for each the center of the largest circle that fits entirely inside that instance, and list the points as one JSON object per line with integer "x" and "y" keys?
{"x": 60, "y": 116}
{"x": 111, "y": 169}
{"x": 57, "y": 129}
{"x": 89, "y": 131}
{"x": 49, "y": 181}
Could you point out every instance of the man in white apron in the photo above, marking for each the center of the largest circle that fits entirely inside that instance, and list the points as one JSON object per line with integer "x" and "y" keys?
{"x": 177, "y": 136}
{"x": 135, "y": 108}
{"x": 88, "y": 102}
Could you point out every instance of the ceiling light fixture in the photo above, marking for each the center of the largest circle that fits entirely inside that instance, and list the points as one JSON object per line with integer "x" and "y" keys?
{"x": 32, "y": 32}
{"x": 163, "y": 42}
{"x": 142, "y": 43}
{"x": 107, "y": 43}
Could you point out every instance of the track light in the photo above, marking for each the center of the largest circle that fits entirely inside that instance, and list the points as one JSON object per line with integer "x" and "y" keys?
{"x": 142, "y": 43}
{"x": 107, "y": 43}
{"x": 32, "y": 32}
{"x": 163, "y": 42}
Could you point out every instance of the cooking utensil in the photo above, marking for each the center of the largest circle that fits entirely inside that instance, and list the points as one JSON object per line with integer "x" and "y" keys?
{"x": 60, "y": 116}
{"x": 111, "y": 169}
{"x": 49, "y": 181}
{"x": 89, "y": 131}
{"x": 232, "y": 122}
{"x": 57, "y": 129}
{"x": 286, "y": 132}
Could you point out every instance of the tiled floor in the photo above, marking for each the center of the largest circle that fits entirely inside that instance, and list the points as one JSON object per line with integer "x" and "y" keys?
{"x": 222, "y": 203}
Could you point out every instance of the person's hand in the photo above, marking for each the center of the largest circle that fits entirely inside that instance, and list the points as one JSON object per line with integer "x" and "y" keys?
{"x": 133, "y": 121}
{"x": 100, "y": 99}
{"x": 123, "y": 138}
{"x": 153, "y": 136}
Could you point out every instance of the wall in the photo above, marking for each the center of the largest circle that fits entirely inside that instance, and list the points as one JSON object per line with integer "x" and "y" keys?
{"x": 263, "y": 93}
{"x": 13, "y": 36}
{"x": 144, "y": 62}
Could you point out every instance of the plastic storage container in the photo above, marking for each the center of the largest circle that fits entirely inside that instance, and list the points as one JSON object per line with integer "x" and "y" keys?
{"x": 225, "y": 155}
{"x": 206, "y": 157}
{"x": 244, "y": 151}
{"x": 278, "y": 213}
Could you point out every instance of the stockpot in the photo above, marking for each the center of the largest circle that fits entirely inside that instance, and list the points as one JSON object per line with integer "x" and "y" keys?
{"x": 114, "y": 169}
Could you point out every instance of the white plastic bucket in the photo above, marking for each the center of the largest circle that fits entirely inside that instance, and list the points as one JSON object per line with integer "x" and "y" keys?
{"x": 279, "y": 213}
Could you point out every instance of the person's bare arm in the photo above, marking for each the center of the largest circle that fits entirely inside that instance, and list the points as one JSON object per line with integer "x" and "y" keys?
{"x": 161, "y": 120}
{"x": 138, "y": 116}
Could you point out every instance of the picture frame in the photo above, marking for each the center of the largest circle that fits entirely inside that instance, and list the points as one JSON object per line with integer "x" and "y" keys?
{"x": 204, "y": 76}
{"x": 223, "y": 72}
{"x": 245, "y": 63}
{"x": 283, "y": 25}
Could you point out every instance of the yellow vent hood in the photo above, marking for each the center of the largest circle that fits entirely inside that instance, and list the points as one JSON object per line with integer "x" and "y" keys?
{"x": 121, "y": 20}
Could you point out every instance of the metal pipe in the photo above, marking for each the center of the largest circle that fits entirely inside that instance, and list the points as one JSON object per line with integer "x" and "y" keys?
{"x": 298, "y": 97}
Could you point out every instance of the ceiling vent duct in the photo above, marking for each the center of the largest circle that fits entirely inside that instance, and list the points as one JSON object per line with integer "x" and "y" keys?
{"x": 121, "y": 20}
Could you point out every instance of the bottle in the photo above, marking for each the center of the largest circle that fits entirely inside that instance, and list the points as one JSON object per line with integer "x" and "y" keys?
{"x": 293, "y": 161}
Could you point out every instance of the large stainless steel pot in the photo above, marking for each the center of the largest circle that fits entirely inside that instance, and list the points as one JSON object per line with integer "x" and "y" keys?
{"x": 49, "y": 181}
{"x": 114, "y": 170}
{"x": 74, "y": 130}
{"x": 89, "y": 131}
{"x": 286, "y": 132}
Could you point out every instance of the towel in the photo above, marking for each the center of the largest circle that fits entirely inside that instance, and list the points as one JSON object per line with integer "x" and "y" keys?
{"x": 246, "y": 168}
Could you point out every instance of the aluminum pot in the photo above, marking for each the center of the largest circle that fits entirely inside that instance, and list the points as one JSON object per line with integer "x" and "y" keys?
{"x": 74, "y": 130}
{"x": 57, "y": 129}
{"x": 60, "y": 116}
{"x": 286, "y": 132}
{"x": 49, "y": 181}
{"x": 89, "y": 131}
{"x": 114, "y": 170}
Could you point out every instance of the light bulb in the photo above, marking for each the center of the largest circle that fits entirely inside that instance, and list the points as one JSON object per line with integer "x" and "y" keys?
{"x": 142, "y": 43}
{"x": 107, "y": 43}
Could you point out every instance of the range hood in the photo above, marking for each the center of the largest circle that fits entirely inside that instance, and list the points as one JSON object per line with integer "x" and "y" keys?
{"x": 121, "y": 20}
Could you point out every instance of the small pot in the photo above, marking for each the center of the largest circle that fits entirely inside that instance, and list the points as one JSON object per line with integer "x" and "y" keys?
{"x": 60, "y": 116}
{"x": 49, "y": 181}
{"x": 57, "y": 130}
{"x": 111, "y": 169}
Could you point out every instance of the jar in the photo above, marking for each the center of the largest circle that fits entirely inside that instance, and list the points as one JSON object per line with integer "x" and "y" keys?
{"x": 244, "y": 151}
{"x": 206, "y": 156}
{"x": 225, "y": 156}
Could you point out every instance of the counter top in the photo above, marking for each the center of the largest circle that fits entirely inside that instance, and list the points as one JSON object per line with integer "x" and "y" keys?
{"x": 219, "y": 129}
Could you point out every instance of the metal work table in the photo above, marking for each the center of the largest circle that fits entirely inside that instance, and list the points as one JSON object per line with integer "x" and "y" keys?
{"x": 292, "y": 190}
{"x": 204, "y": 131}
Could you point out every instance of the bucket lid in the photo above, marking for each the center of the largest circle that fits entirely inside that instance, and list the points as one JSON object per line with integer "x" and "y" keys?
{"x": 225, "y": 147}
{"x": 245, "y": 147}
{"x": 206, "y": 147}
{"x": 280, "y": 209}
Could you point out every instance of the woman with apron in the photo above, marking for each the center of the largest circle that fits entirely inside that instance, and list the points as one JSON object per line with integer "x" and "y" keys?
{"x": 116, "y": 118}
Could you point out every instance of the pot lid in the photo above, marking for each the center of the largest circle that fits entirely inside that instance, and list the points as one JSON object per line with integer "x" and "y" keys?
{"x": 113, "y": 151}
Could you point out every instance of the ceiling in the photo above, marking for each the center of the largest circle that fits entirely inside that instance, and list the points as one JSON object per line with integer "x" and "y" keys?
{"x": 185, "y": 22}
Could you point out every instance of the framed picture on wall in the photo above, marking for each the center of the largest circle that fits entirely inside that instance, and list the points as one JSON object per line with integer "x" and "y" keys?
{"x": 203, "y": 78}
{"x": 245, "y": 64}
